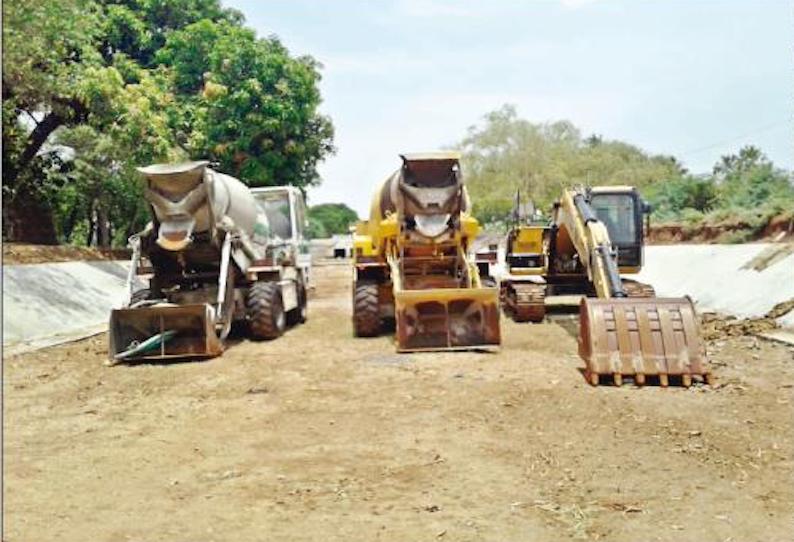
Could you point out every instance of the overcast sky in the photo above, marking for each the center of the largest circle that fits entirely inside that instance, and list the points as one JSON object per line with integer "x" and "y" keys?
{"x": 695, "y": 79}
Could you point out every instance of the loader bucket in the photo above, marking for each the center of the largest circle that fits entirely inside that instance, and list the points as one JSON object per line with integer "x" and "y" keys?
{"x": 650, "y": 339}
{"x": 447, "y": 319}
{"x": 162, "y": 332}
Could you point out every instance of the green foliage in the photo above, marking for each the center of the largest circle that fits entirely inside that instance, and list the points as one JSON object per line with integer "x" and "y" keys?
{"x": 257, "y": 112}
{"x": 328, "y": 219}
{"x": 744, "y": 192}
{"x": 316, "y": 229}
{"x": 509, "y": 154}
{"x": 92, "y": 88}
{"x": 687, "y": 193}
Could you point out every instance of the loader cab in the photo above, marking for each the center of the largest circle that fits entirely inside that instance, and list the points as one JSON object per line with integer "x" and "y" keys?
{"x": 621, "y": 210}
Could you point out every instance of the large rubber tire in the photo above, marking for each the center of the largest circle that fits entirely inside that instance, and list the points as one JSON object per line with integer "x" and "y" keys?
{"x": 265, "y": 310}
{"x": 299, "y": 314}
{"x": 366, "y": 310}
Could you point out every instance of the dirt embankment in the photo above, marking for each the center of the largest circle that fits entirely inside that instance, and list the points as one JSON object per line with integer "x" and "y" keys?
{"x": 21, "y": 253}
{"x": 321, "y": 436}
{"x": 728, "y": 232}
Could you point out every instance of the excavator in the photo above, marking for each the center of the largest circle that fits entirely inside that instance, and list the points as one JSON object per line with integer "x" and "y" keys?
{"x": 412, "y": 263}
{"x": 595, "y": 235}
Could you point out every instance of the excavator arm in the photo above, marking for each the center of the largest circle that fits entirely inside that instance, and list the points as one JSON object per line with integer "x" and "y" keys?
{"x": 590, "y": 238}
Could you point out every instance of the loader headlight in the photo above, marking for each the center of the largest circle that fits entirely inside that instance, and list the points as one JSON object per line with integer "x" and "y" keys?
{"x": 431, "y": 225}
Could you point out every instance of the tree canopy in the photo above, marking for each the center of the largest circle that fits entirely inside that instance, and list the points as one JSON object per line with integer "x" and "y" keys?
{"x": 328, "y": 219}
{"x": 507, "y": 154}
{"x": 93, "y": 88}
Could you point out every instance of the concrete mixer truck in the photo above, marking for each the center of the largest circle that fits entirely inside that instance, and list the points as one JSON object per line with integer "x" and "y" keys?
{"x": 412, "y": 262}
{"x": 215, "y": 253}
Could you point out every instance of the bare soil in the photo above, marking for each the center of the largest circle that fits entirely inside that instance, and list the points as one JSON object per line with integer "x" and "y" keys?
{"x": 320, "y": 436}
{"x": 780, "y": 227}
{"x": 23, "y": 253}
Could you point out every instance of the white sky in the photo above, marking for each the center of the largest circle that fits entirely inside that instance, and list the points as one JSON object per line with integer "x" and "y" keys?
{"x": 696, "y": 79}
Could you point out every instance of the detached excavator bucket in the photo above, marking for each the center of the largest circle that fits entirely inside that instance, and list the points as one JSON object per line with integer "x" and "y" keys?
{"x": 645, "y": 339}
{"x": 447, "y": 319}
{"x": 162, "y": 332}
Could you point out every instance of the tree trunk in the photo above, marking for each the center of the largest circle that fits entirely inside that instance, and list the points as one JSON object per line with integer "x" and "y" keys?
{"x": 90, "y": 217}
{"x": 26, "y": 219}
{"x": 103, "y": 227}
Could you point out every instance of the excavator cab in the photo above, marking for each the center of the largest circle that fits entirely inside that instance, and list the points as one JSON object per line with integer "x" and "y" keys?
{"x": 621, "y": 210}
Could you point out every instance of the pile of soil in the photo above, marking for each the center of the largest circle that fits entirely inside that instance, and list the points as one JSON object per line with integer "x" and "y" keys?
{"x": 21, "y": 253}
{"x": 719, "y": 326}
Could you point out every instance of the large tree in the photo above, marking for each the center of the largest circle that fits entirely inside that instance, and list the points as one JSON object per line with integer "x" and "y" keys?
{"x": 92, "y": 88}
{"x": 255, "y": 110}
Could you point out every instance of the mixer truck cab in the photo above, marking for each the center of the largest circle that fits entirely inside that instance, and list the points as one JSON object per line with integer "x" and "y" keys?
{"x": 215, "y": 253}
{"x": 287, "y": 218}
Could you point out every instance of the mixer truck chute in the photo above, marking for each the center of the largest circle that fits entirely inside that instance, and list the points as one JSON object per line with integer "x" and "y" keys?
{"x": 412, "y": 262}
{"x": 215, "y": 253}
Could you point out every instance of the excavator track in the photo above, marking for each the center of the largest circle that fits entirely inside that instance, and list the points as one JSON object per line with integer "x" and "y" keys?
{"x": 525, "y": 301}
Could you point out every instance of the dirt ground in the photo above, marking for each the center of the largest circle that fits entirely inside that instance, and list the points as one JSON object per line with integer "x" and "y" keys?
{"x": 320, "y": 436}
{"x": 23, "y": 253}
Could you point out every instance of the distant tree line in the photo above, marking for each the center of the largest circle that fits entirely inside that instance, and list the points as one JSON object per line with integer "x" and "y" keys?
{"x": 507, "y": 154}
{"x": 93, "y": 88}
{"x": 327, "y": 219}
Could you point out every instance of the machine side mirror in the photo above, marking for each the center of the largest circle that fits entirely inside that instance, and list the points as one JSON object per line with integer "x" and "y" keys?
{"x": 647, "y": 208}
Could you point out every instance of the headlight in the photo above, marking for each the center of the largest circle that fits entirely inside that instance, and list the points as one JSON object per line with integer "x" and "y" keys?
{"x": 431, "y": 225}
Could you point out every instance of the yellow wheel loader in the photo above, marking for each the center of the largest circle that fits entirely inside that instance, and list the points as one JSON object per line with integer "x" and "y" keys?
{"x": 412, "y": 262}
{"x": 215, "y": 253}
{"x": 594, "y": 236}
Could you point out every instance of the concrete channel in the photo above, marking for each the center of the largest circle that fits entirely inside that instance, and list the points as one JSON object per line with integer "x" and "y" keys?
{"x": 46, "y": 304}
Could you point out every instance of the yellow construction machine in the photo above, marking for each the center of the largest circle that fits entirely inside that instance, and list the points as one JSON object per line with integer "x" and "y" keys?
{"x": 594, "y": 236}
{"x": 412, "y": 262}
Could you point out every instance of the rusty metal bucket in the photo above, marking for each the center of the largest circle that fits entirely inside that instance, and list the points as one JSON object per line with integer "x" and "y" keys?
{"x": 172, "y": 331}
{"x": 645, "y": 339}
{"x": 447, "y": 319}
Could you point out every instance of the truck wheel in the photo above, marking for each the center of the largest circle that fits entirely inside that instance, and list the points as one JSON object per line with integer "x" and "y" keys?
{"x": 298, "y": 315}
{"x": 366, "y": 311}
{"x": 265, "y": 310}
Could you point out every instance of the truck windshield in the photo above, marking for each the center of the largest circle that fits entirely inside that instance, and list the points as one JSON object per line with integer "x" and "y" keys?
{"x": 616, "y": 211}
{"x": 276, "y": 207}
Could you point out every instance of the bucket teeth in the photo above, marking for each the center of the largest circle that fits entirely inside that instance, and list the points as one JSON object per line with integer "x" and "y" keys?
{"x": 642, "y": 339}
